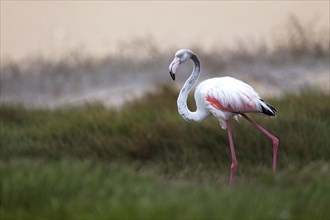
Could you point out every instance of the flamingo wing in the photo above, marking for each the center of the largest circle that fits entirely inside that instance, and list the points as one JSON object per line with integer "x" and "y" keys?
{"x": 238, "y": 104}
{"x": 231, "y": 95}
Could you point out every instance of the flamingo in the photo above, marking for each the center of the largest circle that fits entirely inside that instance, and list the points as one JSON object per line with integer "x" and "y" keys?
{"x": 224, "y": 98}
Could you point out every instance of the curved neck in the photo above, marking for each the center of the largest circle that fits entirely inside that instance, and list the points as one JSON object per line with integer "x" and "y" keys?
{"x": 183, "y": 96}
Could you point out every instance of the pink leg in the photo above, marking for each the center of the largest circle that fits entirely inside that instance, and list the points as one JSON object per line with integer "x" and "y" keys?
{"x": 233, "y": 155}
{"x": 272, "y": 137}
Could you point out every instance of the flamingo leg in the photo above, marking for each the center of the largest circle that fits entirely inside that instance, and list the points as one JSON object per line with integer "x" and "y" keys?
{"x": 233, "y": 154}
{"x": 272, "y": 137}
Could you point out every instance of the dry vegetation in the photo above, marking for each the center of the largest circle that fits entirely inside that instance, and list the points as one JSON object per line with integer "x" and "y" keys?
{"x": 295, "y": 58}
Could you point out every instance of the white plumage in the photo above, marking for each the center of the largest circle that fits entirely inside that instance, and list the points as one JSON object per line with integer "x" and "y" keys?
{"x": 234, "y": 95}
{"x": 222, "y": 97}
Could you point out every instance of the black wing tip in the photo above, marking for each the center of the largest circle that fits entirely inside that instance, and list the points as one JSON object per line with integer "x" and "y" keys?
{"x": 271, "y": 111}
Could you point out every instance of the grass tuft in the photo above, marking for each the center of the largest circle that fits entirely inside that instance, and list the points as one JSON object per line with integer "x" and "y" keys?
{"x": 145, "y": 162}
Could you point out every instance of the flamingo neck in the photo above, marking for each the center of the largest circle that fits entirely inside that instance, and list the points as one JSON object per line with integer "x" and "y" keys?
{"x": 183, "y": 96}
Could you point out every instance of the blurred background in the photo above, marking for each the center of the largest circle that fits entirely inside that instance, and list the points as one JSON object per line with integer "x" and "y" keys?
{"x": 89, "y": 127}
{"x": 57, "y": 53}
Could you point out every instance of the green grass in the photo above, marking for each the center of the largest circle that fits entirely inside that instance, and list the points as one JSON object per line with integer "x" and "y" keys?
{"x": 145, "y": 162}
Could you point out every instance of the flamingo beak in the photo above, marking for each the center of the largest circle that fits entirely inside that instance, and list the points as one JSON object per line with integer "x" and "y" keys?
{"x": 172, "y": 76}
{"x": 173, "y": 67}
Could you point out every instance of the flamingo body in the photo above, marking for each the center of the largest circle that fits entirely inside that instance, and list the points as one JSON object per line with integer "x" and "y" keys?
{"x": 222, "y": 97}
{"x": 226, "y": 97}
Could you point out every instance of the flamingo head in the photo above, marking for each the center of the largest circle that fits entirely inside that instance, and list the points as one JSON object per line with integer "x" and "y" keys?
{"x": 181, "y": 56}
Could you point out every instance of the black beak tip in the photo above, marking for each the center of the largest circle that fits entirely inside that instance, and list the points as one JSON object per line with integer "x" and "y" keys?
{"x": 172, "y": 76}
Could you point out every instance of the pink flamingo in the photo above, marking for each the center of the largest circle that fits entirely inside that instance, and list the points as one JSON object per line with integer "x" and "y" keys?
{"x": 223, "y": 97}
